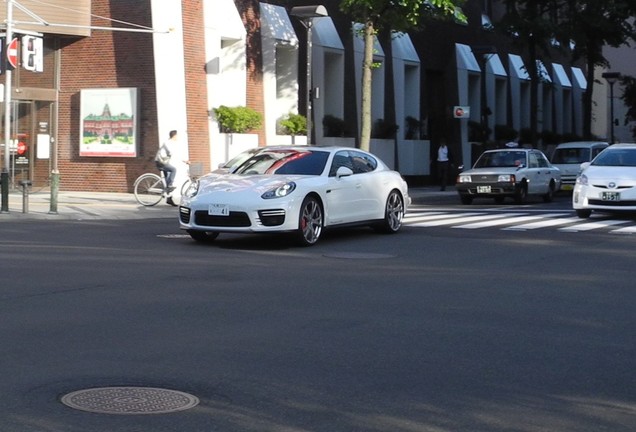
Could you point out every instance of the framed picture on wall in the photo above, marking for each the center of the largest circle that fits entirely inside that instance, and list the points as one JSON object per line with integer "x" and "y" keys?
{"x": 108, "y": 122}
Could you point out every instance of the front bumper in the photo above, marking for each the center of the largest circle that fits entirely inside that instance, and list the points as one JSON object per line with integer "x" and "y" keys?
{"x": 590, "y": 197}
{"x": 486, "y": 189}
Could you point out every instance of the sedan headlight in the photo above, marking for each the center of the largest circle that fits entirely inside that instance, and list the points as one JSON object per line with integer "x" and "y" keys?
{"x": 464, "y": 179}
{"x": 280, "y": 191}
{"x": 506, "y": 178}
{"x": 192, "y": 189}
{"x": 582, "y": 179}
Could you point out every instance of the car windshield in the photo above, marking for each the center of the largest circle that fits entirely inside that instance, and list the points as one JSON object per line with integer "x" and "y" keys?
{"x": 616, "y": 157}
{"x": 236, "y": 161}
{"x": 295, "y": 162}
{"x": 571, "y": 155}
{"x": 501, "y": 159}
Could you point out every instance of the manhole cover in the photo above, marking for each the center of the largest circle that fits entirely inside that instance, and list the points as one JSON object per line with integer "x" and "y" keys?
{"x": 130, "y": 400}
{"x": 357, "y": 255}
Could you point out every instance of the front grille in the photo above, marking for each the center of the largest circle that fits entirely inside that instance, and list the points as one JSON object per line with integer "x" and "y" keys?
{"x": 234, "y": 219}
{"x": 601, "y": 186}
{"x": 184, "y": 214}
{"x": 630, "y": 203}
{"x": 273, "y": 217}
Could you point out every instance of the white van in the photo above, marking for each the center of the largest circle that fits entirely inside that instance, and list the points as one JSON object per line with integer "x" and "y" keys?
{"x": 569, "y": 156}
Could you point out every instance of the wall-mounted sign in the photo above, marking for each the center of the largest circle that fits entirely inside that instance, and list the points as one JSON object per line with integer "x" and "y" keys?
{"x": 461, "y": 112}
{"x": 108, "y": 122}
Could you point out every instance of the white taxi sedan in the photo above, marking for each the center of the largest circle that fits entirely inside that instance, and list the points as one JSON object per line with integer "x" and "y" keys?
{"x": 608, "y": 183}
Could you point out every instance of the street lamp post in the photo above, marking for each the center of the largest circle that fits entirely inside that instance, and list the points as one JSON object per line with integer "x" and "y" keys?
{"x": 611, "y": 78}
{"x": 306, "y": 15}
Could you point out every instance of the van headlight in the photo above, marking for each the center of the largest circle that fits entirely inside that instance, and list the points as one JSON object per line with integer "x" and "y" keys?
{"x": 464, "y": 179}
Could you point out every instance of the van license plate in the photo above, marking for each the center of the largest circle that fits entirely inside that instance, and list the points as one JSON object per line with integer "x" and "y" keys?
{"x": 483, "y": 189}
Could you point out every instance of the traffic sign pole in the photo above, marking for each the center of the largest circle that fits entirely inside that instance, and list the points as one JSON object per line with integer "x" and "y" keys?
{"x": 7, "y": 116}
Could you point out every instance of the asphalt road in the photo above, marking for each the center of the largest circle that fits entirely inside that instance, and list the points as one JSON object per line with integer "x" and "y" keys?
{"x": 432, "y": 330}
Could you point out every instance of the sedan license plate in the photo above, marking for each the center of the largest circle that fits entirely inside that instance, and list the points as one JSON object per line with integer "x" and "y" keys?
{"x": 219, "y": 210}
{"x": 483, "y": 189}
{"x": 611, "y": 196}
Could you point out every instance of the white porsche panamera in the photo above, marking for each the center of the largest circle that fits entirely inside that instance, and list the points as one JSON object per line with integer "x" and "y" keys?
{"x": 298, "y": 189}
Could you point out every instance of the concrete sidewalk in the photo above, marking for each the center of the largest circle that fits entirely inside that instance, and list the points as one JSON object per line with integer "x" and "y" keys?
{"x": 105, "y": 206}
{"x": 83, "y": 206}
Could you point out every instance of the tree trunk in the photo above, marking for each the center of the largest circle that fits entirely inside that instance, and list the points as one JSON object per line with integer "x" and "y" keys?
{"x": 587, "y": 100}
{"x": 367, "y": 66}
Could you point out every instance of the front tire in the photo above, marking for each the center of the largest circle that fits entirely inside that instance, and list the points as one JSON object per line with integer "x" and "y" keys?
{"x": 310, "y": 222}
{"x": 393, "y": 213}
{"x": 203, "y": 236}
{"x": 548, "y": 197}
{"x": 466, "y": 199}
{"x": 522, "y": 193}
{"x": 583, "y": 213}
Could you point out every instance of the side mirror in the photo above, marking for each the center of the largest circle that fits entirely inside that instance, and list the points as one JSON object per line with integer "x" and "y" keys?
{"x": 584, "y": 165}
{"x": 344, "y": 172}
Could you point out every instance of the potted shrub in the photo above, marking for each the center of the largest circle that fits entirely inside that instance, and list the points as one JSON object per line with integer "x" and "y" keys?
{"x": 293, "y": 124}
{"x": 238, "y": 119}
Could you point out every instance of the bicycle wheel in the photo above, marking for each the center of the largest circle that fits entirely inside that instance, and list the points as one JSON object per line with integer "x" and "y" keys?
{"x": 148, "y": 189}
{"x": 184, "y": 186}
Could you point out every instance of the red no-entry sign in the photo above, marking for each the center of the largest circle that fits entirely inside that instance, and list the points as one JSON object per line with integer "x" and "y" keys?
{"x": 12, "y": 53}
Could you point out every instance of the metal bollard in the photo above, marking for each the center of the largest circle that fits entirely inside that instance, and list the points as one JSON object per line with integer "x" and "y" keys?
{"x": 26, "y": 184}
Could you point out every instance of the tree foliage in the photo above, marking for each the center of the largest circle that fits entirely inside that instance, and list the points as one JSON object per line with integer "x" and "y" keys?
{"x": 397, "y": 15}
{"x": 591, "y": 25}
{"x": 629, "y": 99}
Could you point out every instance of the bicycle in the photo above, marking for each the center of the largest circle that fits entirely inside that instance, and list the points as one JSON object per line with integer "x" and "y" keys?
{"x": 150, "y": 189}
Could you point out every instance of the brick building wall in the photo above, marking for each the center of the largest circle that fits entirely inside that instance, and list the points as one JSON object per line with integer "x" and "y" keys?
{"x": 196, "y": 83}
{"x": 107, "y": 59}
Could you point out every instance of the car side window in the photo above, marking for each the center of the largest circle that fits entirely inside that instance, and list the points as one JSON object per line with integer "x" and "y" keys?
{"x": 362, "y": 163}
{"x": 340, "y": 159}
{"x": 543, "y": 162}
{"x": 533, "y": 161}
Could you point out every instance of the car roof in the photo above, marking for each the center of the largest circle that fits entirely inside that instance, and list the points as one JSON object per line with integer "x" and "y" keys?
{"x": 579, "y": 144}
{"x": 623, "y": 145}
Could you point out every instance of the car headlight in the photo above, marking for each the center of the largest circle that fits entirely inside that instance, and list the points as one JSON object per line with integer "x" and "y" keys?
{"x": 582, "y": 179}
{"x": 192, "y": 189}
{"x": 465, "y": 179}
{"x": 506, "y": 178}
{"x": 280, "y": 191}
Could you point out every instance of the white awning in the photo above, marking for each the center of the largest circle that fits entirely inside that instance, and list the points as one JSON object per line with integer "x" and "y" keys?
{"x": 579, "y": 78}
{"x": 517, "y": 68}
{"x": 403, "y": 47}
{"x": 226, "y": 20}
{"x": 325, "y": 34}
{"x": 559, "y": 75}
{"x": 465, "y": 58}
{"x": 495, "y": 66}
{"x": 275, "y": 24}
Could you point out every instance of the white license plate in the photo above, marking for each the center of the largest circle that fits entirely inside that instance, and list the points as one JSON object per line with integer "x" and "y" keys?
{"x": 611, "y": 196}
{"x": 218, "y": 210}
{"x": 483, "y": 189}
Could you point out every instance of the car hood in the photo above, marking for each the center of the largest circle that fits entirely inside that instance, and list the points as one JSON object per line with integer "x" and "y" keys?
{"x": 232, "y": 183}
{"x": 568, "y": 169}
{"x": 600, "y": 173}
{"x": 491, "y": 171}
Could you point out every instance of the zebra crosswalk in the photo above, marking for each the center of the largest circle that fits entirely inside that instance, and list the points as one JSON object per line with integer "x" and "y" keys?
{"x": 518, "y": 221}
